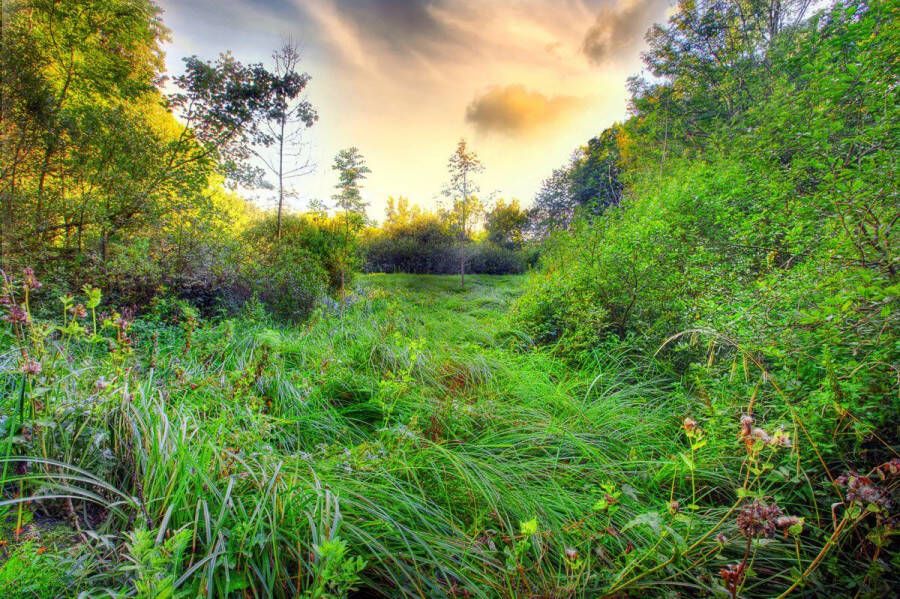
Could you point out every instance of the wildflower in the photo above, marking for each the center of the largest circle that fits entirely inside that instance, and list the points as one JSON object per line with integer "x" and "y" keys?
{"x": 674, "y": 507}
{"x": 761, "y": 435}
{"x": 16, "y": 315}
{"x": 101, "y": 384}
{"x": 789, "y": 525}
{"x": 690, "y": 425}
{"x": 757, "y": 519}
{"x": 746, "y": 425}
{"x": 571, "y": 554}
{"x": 721, "y": 539}
{"x": 864, "y": 490}
{"x": 891, "y": 468}
{"x": 29, "y": 280}
{"x": 780, "y": 439}
{"x": 31, "y": 367}
{"x": 79, "y": 311}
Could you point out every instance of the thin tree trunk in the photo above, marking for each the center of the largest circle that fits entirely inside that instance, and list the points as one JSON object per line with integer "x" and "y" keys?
{"x": 280, "y": 180}
{"x": 462, "y": 234}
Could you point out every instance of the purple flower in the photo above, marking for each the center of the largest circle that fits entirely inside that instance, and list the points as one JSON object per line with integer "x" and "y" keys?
{"x": 16, "y": 315}
{"x": 31, "y": 367}
{"x": 756, "y": 519}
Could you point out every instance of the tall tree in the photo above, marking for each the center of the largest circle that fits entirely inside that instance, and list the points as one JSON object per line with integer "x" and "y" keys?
{"x": 463, "y": 166}
{"x": 289, "y": 116}
{"x": 352, "y": 170}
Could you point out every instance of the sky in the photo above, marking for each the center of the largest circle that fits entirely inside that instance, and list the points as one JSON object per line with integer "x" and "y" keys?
{"x": 525, "y": 82}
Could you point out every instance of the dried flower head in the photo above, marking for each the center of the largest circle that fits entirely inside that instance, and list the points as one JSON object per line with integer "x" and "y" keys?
{"x": 721, "y": 539}
{"x": 789, "y": 525}
{"x": 732, "y": 576}
{"x": 674, "y": 507}
{"x": 889, "y": 469}
{"x": 31, "y": 367}
{"x": 760, "y": 435}
{"x": 780, "y": 439}
{"x": 79, "y": 311}
{"x": 757, "y": 519}
{"x": 29, "y": 280}
{"x": 690, "y": 425}
{"x": 746, "y": 425}
{"x": 864, "y": 490}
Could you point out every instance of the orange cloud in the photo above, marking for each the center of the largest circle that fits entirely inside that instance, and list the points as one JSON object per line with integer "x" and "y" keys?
{"x": 513, "y": 109}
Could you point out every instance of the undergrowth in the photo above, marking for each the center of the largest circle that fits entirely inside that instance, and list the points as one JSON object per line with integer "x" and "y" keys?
{"x": 410, "y": 443}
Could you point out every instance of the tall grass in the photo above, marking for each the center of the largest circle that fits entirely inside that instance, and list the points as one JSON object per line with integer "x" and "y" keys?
{"x": 412, "y": 446}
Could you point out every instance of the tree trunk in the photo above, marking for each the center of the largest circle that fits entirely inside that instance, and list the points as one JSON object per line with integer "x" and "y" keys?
{"x": 462, "y": 233}
{"x": 280, "y": 180}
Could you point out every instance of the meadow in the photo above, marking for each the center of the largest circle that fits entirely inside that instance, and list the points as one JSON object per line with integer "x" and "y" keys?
{"x": 673, "y": 371}
{"x": 414, "y": 445}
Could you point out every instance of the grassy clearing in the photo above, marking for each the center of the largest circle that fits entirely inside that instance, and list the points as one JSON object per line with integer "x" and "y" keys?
{"x": 414, "y": 445}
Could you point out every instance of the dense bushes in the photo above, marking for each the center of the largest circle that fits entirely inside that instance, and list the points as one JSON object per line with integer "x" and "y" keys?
{"x": 408, "y": 255}
{"x": 219, "y": 268}
{"x": 414, "y": 241}
{"x": 768, "y": 237}
{"x": 752, "y": 254}
{"x": 292, "y": 273}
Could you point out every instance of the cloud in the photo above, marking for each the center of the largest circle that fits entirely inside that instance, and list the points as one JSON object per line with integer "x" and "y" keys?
{"x": 619, "y": 28}
{"x": 513, "y": 109}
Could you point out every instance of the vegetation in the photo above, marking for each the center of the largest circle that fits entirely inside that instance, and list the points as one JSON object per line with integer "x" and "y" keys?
{"x": 693, "y": 392}
{"x": 411, "y": 240}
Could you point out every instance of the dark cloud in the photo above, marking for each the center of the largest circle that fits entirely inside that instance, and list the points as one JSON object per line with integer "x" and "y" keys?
{"x": 514, "y": 109}
{"x": 401, "y": 24}
{"x": 619, "y": 27}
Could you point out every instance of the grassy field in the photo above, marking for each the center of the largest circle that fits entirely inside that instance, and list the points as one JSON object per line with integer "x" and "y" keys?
{"x": 414, "y": 445}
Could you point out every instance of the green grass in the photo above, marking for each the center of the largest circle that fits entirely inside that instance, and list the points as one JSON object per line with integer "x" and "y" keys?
{"x": 413, "y": 446}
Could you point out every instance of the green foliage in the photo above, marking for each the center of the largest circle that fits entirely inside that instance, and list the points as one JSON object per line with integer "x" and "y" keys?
{"x": 29, "y": 571}
{"x": 388, "y": 452}
{"x": 777, "y": 239}
{"x": 505, "y": 224}
{"x": 416, "y": 241}
{"x": 336, "y": 573}
{"x": 752, "y": 253}
{"x": 291, "y": 273}
{"x": 154, "y": 564}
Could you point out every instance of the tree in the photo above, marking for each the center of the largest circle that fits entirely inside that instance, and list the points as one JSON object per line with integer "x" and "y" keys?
{"x": 505, "y": 224}
{"x": 463, "y": 165}
{"x": 553, "y": 205}
{"x": 590, "y": 183}
{"x": 289, "y": 115}
{"x": 66, "y": 71}
{"x": 352, "y": 170}
{"x": 594, "y": 173}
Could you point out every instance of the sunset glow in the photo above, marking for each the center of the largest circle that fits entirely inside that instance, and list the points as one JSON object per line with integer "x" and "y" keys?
{"x": 524, "y": 81}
